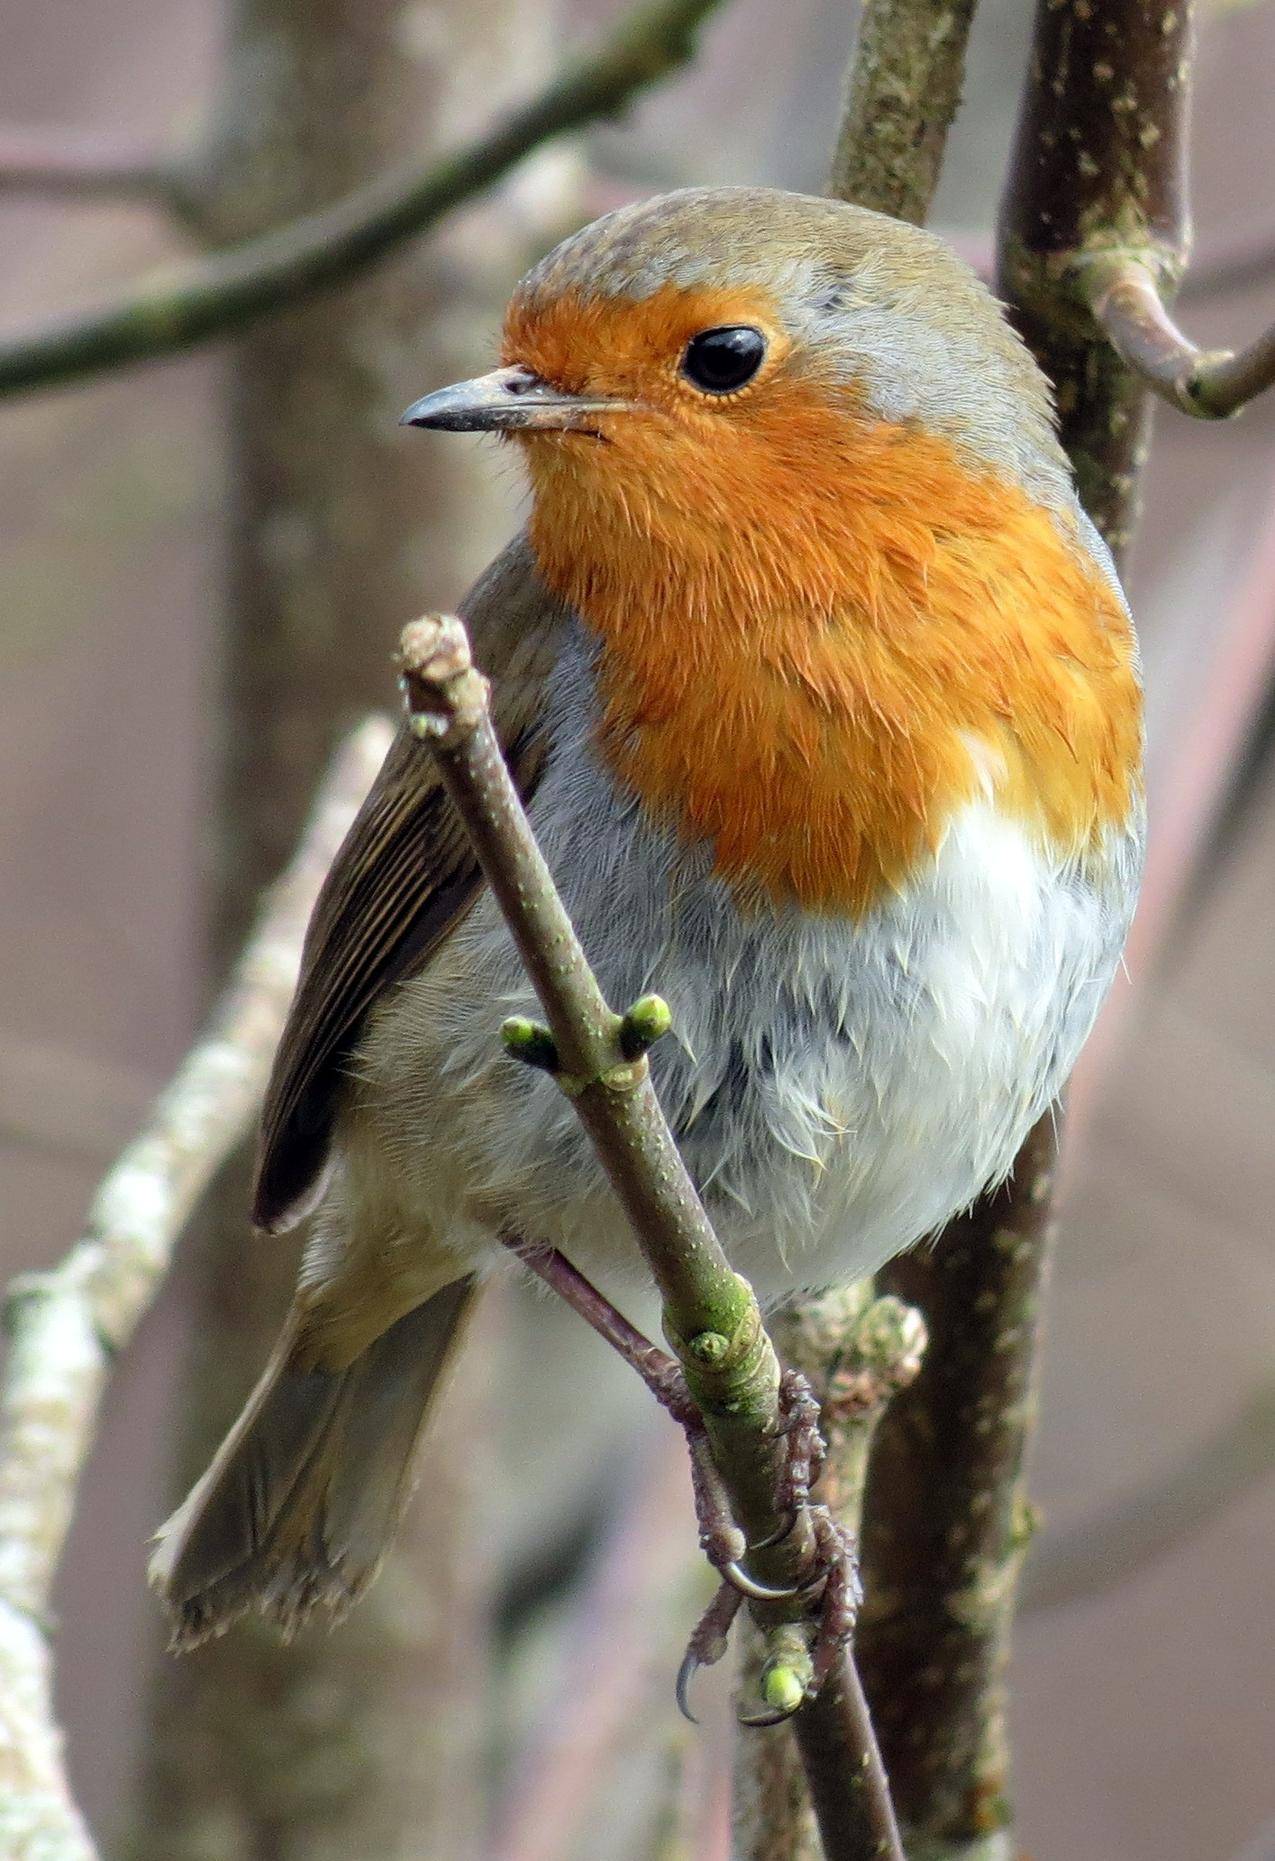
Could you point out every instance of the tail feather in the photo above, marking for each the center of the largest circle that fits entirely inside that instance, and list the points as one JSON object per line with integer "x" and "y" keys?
{"x": 303, "y": 1494}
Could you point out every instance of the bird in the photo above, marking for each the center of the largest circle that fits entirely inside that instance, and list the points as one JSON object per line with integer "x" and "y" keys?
{"x": 823, "y": 698}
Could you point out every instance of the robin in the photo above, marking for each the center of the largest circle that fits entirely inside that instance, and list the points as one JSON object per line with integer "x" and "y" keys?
{"x": 823, "y": 698}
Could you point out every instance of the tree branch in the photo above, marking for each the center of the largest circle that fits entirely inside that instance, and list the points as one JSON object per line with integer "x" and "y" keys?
{"x": 175, "y": 312}
{"x": 67, "y": 1325}
{"x": 1098, "y": 170}
{"x": 858, "y": 1353}
{"x": 711, "y": 1318}
{"x": 942, "y": 1528}
{"x": 1210, "y": 384}
{"x": 902, "y": 92}
{"x": 75, "y": 166}
{"x": 945, "y": 1525}
{"x": 1099, "y": 165}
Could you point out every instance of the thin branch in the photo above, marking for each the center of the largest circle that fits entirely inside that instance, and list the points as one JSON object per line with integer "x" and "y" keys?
{"x": 67, "y": 1325}
{"x": 72, "y": 165}
{"x": 174, "y": 312}
{"x": 710, "y": 1316}
{"x": 1099, "y": 165}
{"x": 945, "y": 1524}
{"x": 942, "y": 1530}
{"x": 858, "y": 1353}
{"x": 1210, "y": 384}
{"x": 903, "y": 90}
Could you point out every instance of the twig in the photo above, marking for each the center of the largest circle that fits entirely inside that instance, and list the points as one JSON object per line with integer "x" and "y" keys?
{"x": 903, "y": 89}
{"x": 1099, "y": 166}
{"x": 858, "y": 1353}
{"x": 710, "y": 1316}
{"x": 1207, "y": 383}
{"x": 67, "y": 1325}
{"x": 945, "y": 1526}
{"x": 76, "y": 166}
{"x": 174, "y": 312}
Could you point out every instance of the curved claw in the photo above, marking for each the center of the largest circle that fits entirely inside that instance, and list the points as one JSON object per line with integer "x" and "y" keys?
{"x": 691, "y": 1665}
{"x": 776, "y": 1537}
{"x": 770, "y": 1716}
{"x": 739, "y": 1579}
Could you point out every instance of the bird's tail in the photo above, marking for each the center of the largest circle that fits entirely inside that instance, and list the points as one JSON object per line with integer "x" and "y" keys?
{"x": 301, "y": 1497}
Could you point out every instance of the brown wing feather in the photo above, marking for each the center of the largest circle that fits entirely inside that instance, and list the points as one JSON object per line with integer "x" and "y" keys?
{"x": 404, "y": 876}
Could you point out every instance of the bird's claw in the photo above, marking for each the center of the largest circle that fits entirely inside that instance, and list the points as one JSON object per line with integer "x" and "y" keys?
{"x": 739, "y": 1579}
{"x": 842, "y": 1594}
{"x": 800, "y": 1662}
{"x": 707, "y": 1644}
{"x": 773, "y": 1715}
{"x": 830, "y": 1576}
{"x": 807, "y": 1450}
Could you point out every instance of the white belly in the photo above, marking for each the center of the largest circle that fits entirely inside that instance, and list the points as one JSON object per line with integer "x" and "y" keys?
{"x": 838, "y": 1090}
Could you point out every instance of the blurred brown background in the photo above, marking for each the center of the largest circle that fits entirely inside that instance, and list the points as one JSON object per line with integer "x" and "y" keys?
{"x": 1144, "y": 1719}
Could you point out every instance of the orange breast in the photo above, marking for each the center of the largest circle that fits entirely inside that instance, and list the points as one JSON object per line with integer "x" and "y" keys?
{"x": 822, "y": 634}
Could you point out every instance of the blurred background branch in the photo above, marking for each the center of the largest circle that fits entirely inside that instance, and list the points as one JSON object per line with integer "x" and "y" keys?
{"x": 60, "y": 163}
{"x": 321, "y": 249}
{"x": 67, "y": 1326}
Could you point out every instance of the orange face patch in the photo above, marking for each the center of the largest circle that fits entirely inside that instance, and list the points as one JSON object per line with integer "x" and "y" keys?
{"x": 823, "y": 632}
{"x": 614, "y": 346}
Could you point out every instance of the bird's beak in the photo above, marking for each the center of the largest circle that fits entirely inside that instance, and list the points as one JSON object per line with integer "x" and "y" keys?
{"x": 508, "y": 400}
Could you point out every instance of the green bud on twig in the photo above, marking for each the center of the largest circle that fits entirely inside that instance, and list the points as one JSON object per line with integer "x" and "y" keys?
{"x": 788, "y": 1669}
{"x": 708, "y": 1347}
{"x": 531, "y": 1043}
{"x": 645, "y": 1022}
{"x": 783, "y": 1688}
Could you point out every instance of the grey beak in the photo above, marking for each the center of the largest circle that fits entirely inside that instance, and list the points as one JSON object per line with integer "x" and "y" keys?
{"x": 507, "y": 400}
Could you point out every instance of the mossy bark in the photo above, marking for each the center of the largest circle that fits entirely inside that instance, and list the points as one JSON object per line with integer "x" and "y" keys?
{"x": 903, "y": 89}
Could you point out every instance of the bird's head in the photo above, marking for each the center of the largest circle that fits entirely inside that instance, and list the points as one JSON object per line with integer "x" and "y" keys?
{"x": 799, "y": 478}
{"x": 727, "y": 362}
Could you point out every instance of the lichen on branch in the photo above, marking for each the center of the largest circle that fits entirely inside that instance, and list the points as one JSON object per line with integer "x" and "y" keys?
{"x": 903, "y": 88}
{"x": 67, "y": 1325}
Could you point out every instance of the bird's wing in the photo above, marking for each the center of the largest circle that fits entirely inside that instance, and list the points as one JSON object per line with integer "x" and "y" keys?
{"x": 403, "y": 878}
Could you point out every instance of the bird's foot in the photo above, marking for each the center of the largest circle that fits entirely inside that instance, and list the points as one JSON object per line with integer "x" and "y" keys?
{"x": 828, "y": 1589}
{"x": 807, "y": 1449}
{"x": 801, "y": 1655}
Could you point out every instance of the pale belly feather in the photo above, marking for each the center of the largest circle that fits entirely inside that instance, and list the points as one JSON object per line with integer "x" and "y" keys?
{"x": 838, "y": 1089}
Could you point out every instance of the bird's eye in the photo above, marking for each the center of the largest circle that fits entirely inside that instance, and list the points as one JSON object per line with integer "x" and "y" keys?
{"x": 722, "y": 360}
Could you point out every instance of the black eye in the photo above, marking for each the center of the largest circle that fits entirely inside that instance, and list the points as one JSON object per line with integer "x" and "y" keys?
{"x": 719, "y": 361}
